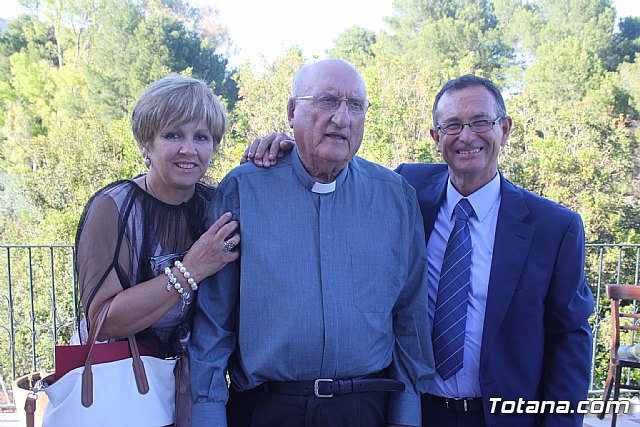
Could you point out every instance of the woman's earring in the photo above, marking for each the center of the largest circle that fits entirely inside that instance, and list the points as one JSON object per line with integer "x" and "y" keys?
{"x": 147, "y": 162}
{"x": 210, "y": 162}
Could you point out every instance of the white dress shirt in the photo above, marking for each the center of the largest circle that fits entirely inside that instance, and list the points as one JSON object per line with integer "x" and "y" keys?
{"x": 482, "y": 226}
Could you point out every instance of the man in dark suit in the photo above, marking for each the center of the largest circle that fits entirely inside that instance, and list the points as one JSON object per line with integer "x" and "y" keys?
{"x": 526, "y": 332}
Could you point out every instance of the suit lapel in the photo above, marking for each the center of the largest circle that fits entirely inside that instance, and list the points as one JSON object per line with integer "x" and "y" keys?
{"x": 431, "y": 194}
{"x": 510, "y": 250}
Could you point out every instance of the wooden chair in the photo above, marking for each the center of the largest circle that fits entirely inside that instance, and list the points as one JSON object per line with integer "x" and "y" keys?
{"x": 617, "y": 294}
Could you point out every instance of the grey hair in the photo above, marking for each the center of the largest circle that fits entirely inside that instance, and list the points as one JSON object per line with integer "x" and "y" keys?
{"x": 298, "y": 78}
{"x": 466, "y": 81}
{"x": 300, "y": 75}
{"x": 173, "y": 101}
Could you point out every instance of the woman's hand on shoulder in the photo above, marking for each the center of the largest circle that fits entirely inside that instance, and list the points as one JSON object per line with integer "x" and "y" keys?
{"x": 214, "y": 249}
{"x": 266, "y": 151}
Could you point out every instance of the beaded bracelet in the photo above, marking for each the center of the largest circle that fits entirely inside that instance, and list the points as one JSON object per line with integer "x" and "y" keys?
{"x": 186, "y": 274}
{"x": 174, "y": 284}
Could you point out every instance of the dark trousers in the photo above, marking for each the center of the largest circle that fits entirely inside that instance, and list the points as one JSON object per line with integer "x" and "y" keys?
{"x": 258, "y": 408}
{"x": 436, "y": 414}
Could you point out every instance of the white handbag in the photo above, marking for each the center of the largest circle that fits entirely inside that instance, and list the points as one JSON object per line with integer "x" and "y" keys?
{"x": 135, "y": 391}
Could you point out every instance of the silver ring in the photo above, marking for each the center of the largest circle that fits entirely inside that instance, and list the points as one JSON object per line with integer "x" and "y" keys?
{"x": 228, "y": 245}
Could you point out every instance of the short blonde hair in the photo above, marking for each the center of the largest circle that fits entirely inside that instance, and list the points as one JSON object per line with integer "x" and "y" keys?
{"x": 173, "y": 101}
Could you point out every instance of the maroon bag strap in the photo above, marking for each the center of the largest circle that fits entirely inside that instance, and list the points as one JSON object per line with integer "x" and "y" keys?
{"x": 87, "y": 375}
{"x": 30, "y": 408}
{"x": 30, "y": 401}
{"x": 138, "y": 367}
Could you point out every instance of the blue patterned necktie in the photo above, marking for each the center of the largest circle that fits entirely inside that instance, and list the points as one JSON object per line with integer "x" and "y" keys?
{"x": 450, "y": 316}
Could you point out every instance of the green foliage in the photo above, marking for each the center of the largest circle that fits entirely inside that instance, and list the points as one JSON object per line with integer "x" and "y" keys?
{"x": 70, "y": 75}
{"x": 67, "y": 86}
{"x": 261, "y": 107}
{"x": 583, "y": 161}
{"x": 134, "y": 47}
{"x": 442, "y": 34}
{"x": 630, "y": 81}
{"x": 70, "y": 81}
{"x": 625, "y": 43}
{"x": 589, "y": 19}
{"x": 12, "y": 201}
{"x": 564, "y": 70}
{"x": 354, "y": 45}
{"x": 41, "y": 279}
{"x": 398, "y": 121}
{"x": 608, "y": 265}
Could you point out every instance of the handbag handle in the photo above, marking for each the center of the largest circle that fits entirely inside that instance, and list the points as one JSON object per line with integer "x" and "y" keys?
{"x": 87, "y": 375}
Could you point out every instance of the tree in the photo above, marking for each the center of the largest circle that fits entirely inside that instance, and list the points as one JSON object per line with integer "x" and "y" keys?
{"x": 442, "y": 34}
{"x": 398, "y": 121}
{"x": 68, "y": 88}
{"x": 630, "y": 78}
{"x": 261, "y": 106}
{"x": 564, "y": 70}
{"x": 572, "y": 91}
{"x": 355, "y": 45}
{"x": 625, "y": 44}
{"x": 579, "y": 153}
{"x": 134, "y": 46}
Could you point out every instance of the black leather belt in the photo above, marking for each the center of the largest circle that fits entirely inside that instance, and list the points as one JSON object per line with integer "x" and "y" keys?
{"x": 325, "y": 387}
{"x": 470, "y": 404}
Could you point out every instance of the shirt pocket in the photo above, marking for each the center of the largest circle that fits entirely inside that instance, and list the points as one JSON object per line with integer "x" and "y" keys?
{"x": 374, "y": 288}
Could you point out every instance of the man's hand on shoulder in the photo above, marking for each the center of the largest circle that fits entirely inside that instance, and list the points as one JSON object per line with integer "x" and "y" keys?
{"x": 266, "y": 151}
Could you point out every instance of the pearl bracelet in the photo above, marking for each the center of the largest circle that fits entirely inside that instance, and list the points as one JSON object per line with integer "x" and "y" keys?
{"x": 174, "y": 284}
{"x": 186, "y": 274}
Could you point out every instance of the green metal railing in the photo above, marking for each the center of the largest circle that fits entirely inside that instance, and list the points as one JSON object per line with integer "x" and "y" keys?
{"x": 608, "y": 263}
{"x": 38, "y": 307}
{"x": 39, "y": 303}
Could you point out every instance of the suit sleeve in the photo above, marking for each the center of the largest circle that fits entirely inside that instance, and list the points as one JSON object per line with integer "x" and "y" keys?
{"x": 412, "y": 357}
{"x": 213, "y": 337}
{"x": 568, "y": 338}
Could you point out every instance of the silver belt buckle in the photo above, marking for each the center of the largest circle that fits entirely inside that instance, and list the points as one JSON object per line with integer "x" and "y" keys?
{"x": 316, "y": 384}
{"x": 464, "y": 403}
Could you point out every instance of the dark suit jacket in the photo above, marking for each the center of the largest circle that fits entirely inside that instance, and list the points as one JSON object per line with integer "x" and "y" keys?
{"x": 536, "y": 343}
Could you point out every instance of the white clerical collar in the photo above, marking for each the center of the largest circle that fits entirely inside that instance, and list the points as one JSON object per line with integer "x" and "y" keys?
{"x": 322, "y": 188}
{"x": 309, "y": 182}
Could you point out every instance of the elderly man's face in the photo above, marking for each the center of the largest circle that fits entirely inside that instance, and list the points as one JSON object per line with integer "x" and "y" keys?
{"x": 327, "y": 140}
{"x": 472, "y": 156}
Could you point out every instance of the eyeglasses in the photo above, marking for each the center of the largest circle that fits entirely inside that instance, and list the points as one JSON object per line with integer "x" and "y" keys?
{"x": 477, "y": 126}
{"x": 328, "y": 102}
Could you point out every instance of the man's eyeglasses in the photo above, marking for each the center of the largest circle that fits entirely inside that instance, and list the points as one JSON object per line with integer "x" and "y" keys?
{"x": 477, "y": 126}
{"x": 328, "y": 102}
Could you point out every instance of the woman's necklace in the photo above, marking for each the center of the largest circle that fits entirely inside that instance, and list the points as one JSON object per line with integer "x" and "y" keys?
{"x": 148, "y": 189}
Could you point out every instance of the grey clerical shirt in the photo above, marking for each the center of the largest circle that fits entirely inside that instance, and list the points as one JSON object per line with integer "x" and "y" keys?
{"x": 331, "y": 283}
